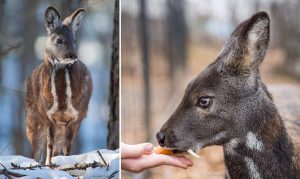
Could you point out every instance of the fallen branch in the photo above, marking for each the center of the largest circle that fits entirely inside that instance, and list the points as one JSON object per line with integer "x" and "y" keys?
{"x": 31, "y": 167}
{"x": 81, "y": 166}
{"x": 77, "y": 166}
{"x": 102, "y": 158}
{"x": 113, "y": 174}
{"x": 9, "y": 174}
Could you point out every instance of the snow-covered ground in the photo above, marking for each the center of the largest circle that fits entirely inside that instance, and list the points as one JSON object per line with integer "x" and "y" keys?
{"x": 111, "y": 170}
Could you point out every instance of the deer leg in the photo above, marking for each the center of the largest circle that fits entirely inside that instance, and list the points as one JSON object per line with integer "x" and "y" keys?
{"x": 50, "y": 142}
{"x": 37, "y": 148}
{"x": 71, "y": 131}
{"x": 59, "y": 138}
{"x": 35, "y": 134}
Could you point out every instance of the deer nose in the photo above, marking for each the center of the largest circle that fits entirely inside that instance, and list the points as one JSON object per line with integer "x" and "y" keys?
{"x": 161, "y": 138}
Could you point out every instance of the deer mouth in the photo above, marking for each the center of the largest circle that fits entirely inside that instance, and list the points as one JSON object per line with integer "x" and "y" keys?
{"x": 191, "y": 152}
{"x": 188, "y": 151}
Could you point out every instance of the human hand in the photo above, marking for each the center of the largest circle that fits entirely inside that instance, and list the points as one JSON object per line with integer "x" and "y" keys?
{"x": 139, "y": 157}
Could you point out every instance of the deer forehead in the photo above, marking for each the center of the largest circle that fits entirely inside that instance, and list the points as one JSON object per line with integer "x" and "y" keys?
{"x": 63, "y": 32}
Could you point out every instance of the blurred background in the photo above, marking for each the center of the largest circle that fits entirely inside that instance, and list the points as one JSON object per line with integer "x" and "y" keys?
{"x": 166, "y": 43}
{"x": 22, "y": 45}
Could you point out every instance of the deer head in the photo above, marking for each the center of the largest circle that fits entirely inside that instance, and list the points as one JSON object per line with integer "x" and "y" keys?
{"x": 60, "y": 48}
{"x": 224, "y": 101}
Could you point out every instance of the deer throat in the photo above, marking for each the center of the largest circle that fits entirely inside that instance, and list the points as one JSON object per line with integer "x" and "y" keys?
{"x": 56, "y": 113}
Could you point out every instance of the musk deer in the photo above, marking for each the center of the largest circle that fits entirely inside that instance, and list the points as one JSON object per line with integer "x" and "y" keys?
{"x": 58, "y": 90}
{"x": 227, "y": 104}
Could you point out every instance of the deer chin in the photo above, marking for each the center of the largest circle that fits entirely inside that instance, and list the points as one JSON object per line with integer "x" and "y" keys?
{"x": 66, "y": 61}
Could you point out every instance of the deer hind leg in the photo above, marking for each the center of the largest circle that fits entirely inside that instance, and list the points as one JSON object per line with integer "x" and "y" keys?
{"x": 35, "y": 134}
{"x": 50, "y": 142}
{"x": 71, "y": 131}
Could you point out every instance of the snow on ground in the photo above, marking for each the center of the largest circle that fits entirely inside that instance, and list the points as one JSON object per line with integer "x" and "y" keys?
{"x": 110, "y": 156}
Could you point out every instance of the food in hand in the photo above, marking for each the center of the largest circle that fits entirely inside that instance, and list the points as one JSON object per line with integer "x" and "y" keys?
{"x": 161, "y": 150}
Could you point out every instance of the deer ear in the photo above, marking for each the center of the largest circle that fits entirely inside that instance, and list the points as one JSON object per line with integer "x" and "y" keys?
{"x": 74, "y": 21}
{"x": 248, "y": 44}
{"x": 52, "y": 19}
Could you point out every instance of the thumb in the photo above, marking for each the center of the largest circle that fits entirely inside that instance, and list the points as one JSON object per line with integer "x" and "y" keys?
{"x": 135, "y": 151}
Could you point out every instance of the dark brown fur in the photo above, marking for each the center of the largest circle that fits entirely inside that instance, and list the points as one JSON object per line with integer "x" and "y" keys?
{"x": 241, "y": 116}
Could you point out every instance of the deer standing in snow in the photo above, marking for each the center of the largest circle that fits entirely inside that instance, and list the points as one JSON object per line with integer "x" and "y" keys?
{"x": 58, "y": 90}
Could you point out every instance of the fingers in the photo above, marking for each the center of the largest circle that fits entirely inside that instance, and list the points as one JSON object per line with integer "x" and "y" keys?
{"x": 154, "y": 160}
{"x": 135, "y": 151}
{"x": 175, "y": 161}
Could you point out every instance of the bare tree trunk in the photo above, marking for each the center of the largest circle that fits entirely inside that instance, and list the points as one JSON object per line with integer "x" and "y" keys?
{"x": 27, "y": 58}
{"x": 144, "y": 38}
{"x": 176, "y": 39}
{"x": 113, "y": 123}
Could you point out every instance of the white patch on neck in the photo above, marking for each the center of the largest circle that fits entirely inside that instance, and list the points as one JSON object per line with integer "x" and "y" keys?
{"x": 253, "y": 172}
{"x": 253, "y": 142}
{"x": 54, "y": 107}
{"x": 70, "y": 108}
{"x": 230, "y": 146}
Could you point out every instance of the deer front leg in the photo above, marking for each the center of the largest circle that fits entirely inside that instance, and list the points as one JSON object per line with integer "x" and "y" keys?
{"x": 50, "y": 142}
{"x": 71, "y": 131}
{"x": 35, "y": 134}
{"x": 37, "y": 147}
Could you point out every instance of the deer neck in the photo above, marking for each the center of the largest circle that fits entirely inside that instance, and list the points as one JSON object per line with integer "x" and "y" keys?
{"x": 52, "y": 65}
{"x": 262, "y": 152}
{"x": 59, "y": 85}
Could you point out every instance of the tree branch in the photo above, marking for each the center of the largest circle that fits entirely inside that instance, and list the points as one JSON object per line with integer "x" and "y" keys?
{"x": 81, "y": 166}
{"x": 77, "y": 166}
{"x": 9, "y": 174}
{"x": 10, "y": 48}
{"x": 102, "y": 158}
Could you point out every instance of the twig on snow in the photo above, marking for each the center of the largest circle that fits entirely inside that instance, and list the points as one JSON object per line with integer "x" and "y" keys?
{"x": 77, "y": 166}
{"x": 81, "y": 166}
{"x": 113, "y": 174}
{"x": 105, "y": 163}
{"x": 9, "y": 174}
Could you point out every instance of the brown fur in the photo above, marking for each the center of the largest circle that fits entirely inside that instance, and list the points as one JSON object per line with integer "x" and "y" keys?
{"x": 58, "y": 130}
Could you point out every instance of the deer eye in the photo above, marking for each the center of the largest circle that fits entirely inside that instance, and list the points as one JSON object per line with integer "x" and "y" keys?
{"x": 204, "y": 102}
{"x": 59, "y": 41}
